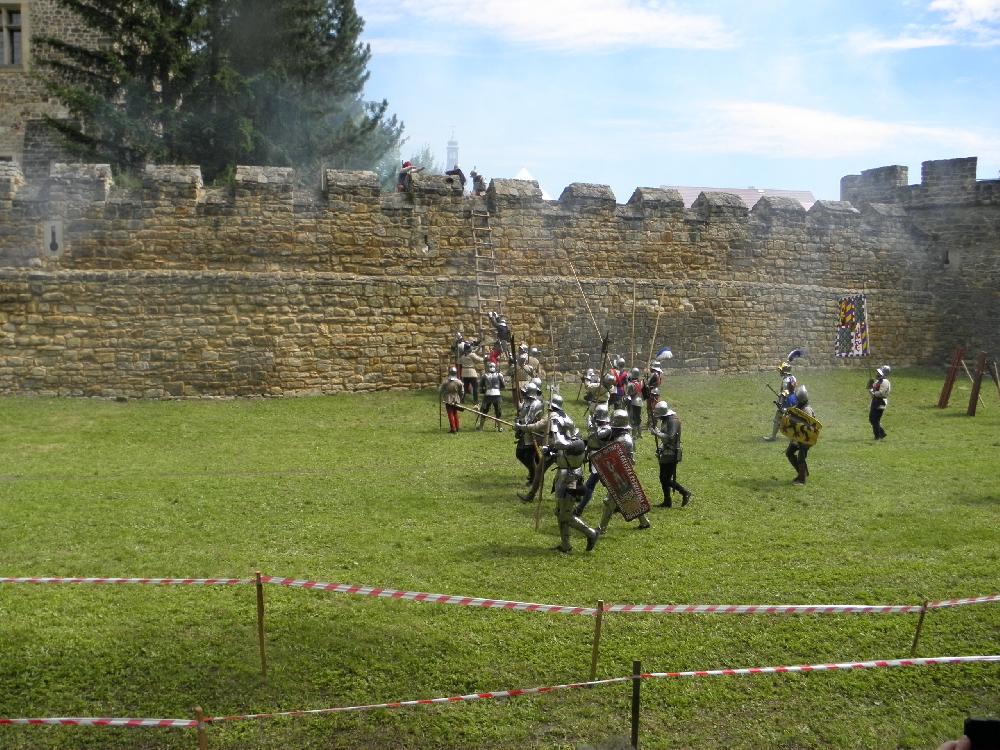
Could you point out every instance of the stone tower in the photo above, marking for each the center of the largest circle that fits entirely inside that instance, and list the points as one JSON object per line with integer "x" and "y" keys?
{"x": 24, "y": 137}
{"x": 452, "y": 158}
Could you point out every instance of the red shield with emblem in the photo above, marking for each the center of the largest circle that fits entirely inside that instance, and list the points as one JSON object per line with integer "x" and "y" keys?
{"x": 613, "y": 465}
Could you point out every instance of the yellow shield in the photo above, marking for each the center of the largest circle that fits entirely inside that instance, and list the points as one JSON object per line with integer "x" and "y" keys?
{"x": 800, "y": 427}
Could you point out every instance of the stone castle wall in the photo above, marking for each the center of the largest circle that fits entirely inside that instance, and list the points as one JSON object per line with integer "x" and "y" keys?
{"x": 174, "y": 289}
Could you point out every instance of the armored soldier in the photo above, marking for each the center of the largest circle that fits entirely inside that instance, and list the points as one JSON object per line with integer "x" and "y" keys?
{"x": 796, "y": 452}
{"x": 633, "y": 397}
{"x": 569, "y": 453}
{"x": 470, "y": 375}
{"x": 786, "y": 398}
{"x": 531, "y": 409}
{"x": 493, "y": 385}
{"x": 554, "y": 424}
{"x": 621, "y": 377}
{"x": 451, "y": 394}
{"x": 654, "y": 380}
{"x": 599, "y": 436}
{"x": 533, "y": 355}
{"x": 620, "y": 432}
{"x": 667, "y": 432}
{"x": 879, "y": 390}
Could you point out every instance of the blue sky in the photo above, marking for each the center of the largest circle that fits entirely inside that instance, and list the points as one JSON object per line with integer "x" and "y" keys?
{"x": 640, "y": 93}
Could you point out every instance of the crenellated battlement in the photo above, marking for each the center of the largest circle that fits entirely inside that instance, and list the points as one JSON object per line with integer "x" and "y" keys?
{"x": 171, "y": 287}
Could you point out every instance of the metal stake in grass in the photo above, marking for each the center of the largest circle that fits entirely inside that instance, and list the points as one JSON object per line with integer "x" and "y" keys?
{"x": 260, "y": 626}
{"x": 598, "y": 618}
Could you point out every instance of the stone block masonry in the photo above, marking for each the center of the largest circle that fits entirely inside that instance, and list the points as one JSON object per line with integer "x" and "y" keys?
{"x": 175, "y": 289}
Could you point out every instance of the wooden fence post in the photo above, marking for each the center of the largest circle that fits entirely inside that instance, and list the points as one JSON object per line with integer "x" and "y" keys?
{"x": 199, "y": 716}
{"x": 949, "y": 379}
{"x": 597, "y": 639}
{"x": 636, "y": 683}
{"x": 920, "y": 625}
{"x": 260, "y": 626}
{"x": 977, "y": 383}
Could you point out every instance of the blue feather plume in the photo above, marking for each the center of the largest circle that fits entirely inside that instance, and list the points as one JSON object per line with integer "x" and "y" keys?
{"x": 794, "y": 354}
{"x": 664, "y": 353}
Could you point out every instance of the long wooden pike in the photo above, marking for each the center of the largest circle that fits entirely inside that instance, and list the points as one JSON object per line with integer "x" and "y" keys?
{"x": 656, "y": 327}
{"x": 631, "y": 361}
{"x": 484, "y": 414}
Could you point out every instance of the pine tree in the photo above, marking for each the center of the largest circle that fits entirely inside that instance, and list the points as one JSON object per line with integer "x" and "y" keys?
{"x": 224, "y": 82}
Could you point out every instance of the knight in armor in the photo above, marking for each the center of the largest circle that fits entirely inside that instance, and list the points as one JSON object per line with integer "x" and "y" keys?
{"x": 621, "y": 433}
{"x": 796, "y": 452}
{"x": 554, "y": 424}
{"x": 597, "y": 438}
{"x": 621, "y": 377}
{"x": 451, "y": 394}
{"x": 502, "y": 329}
{"x": 651, "y": 391}
{"x": 531, "y": 409}
{"x": 786, "y": 398}
{"x": 536, "y": 365}
{"x": 469, "y": 361}
{"x": 879, "y": 390}
{"x": 569, "y": 452}
{"x": 493, "y": 386}
{"x": 667, "y": 431}
{"x": 633, "y": 398}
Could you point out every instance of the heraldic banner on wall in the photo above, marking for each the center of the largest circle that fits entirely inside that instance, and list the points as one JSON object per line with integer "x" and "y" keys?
{"x": 852, "y": 326}
{"x": 615, "y": 469}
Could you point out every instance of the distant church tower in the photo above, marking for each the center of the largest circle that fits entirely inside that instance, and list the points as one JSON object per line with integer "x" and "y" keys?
{"x": 452, "y": 158}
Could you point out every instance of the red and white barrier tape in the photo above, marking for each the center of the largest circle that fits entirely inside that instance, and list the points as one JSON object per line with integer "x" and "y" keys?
{"x": 83, "y": 721}
{"x": 766, "y": 609}
{"x": 962, "y": 602}
{"x": 469, "y": 601}
{"x": 146, "y": 581}
{"x": 839, "y": 666}
{"x": 421, "y": 596}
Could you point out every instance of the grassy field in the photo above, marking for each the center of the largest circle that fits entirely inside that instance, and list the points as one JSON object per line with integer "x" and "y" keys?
{"x": 366, "y": 489}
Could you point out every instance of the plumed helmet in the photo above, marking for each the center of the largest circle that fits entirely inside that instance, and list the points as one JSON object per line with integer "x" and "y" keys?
{"x": 601, "y": 414}
{"x": 883, "y": 371}
{"x": 634, "y": 373}
{"x": 661, "y": 408}
{"x": 785, "y": 368}
{"x": 801, "y": 396}
{"x": 608, "y": 379}
{"x": 619, "y": 418}
{"x": 556, "y": 402}
{"x": 453, "y": 370}
{"x": 491, "y": 366}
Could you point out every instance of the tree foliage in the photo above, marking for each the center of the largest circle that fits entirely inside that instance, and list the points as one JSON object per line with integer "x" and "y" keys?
{"x": 220, "y": 83}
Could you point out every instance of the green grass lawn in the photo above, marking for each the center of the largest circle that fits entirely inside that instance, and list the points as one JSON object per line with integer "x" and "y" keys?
{"x": 367, "y": 489}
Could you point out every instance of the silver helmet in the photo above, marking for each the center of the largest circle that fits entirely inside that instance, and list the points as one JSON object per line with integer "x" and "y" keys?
{"x": 801, "y": 396}
{"x": 619, "y": 418}
{"x": 533, "y": 351}
{"x": 609, "y": 379}
{"x": 601, "y": 414}
{"x": 531, "y": 390}
{"x": 453, "y": 370}
{"x": 883, "y": 371}
{"x": 655, "y": 366}
{"x": 491, "y": 366}
{"x": 634, "y": 373}
{"x": 556, "y": 402}
{"x": 661, "y": 408}
{"x": 569, "y": 427}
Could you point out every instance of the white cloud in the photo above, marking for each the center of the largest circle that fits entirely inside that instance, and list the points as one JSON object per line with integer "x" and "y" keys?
{"x": 396, "y": 46}
{"x": 768, "y": 129}
{"x": 578, "y": 25}
{"x": 866, "y": 42}
{"x": 968, "y": 14}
